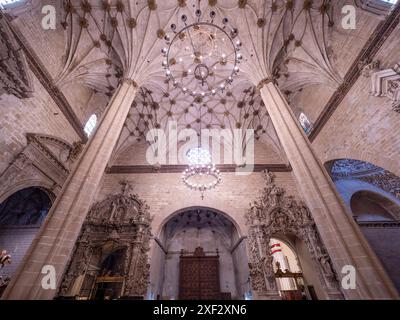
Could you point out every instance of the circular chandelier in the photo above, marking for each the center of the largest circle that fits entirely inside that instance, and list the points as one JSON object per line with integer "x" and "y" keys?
{"x": 202, "y": 58}
{"x": 201, "y": 175}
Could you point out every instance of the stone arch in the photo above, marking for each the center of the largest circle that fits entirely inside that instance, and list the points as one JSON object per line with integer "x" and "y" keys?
{"x": 174, "y": 213}
{"x": 352, "y": 175}
{"x": 22, "y": 214}
{"x": 378, "y": 160}
{"x": 218, "y": 233}
{"x": 347, "y": 188}
{"x": 372, "y": 195}
{"x": 46, "y": 186}
{"x": 378, "y": 218}
{"x": 392, "y": 209}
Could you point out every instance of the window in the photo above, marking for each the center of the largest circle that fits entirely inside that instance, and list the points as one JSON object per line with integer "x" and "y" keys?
{"x": 390, "y": 1}
{"x": 305, "y": 123}
{"x": 90, "y": 125}
{"x": 5, "y": 3}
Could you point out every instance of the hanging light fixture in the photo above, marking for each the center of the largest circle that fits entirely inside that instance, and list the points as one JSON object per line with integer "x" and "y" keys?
{"x": 204, "y": 52}
{"x": 201, "y": 174}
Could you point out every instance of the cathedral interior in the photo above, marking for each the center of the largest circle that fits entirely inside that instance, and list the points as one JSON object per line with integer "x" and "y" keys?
{"x": 200, "y": 149}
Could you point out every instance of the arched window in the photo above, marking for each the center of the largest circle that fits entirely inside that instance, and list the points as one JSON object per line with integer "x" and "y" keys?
{"x": 5, "y": 3}
{"x": 305, "y": 123}
{"x": 90, "y": 125}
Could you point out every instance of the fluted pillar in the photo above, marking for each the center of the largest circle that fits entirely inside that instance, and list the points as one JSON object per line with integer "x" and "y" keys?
{"x": 340, "y": 234}
{"x": 54, "y": 243}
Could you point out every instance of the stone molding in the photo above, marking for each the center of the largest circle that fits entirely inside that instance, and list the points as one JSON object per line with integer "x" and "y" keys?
{"x": 128, "y": 169}
{"x": 386, "y": 83}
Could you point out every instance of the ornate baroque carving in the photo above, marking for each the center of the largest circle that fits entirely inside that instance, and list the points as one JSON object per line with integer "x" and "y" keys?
{"x": 354, "y": 169}
{"x": 120, "y": 221}
{"x": 274, "y": 214}
{"x": 14, "y": 75}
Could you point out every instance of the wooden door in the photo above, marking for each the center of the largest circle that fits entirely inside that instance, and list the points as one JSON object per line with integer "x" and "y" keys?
{"x": 199, "y": 277}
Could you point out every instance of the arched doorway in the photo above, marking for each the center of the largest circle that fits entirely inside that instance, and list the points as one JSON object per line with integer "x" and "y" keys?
{"x": 379, "y": 221}
{"x": 294, "y": 269}
{"x": 372, "y": 195}
{"x": 21, "y": 216}
{"x": 199, "y": 255}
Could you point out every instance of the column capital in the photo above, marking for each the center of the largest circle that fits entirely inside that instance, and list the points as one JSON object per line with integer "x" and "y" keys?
{"x": 129, "y": 82}
{"x": 265, "y": 81}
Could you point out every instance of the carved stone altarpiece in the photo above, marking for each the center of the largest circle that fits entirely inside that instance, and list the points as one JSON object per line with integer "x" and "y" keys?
{"x": 121, "y": 222}
{"x": 274, "y": 214}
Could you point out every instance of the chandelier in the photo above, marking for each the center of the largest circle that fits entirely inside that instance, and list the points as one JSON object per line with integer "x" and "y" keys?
{"x": 202, "y": 58}
{"x": 201, "y": 175}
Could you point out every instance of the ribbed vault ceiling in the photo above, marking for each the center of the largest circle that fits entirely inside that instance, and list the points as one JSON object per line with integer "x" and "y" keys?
{"x": 288, "y": 40}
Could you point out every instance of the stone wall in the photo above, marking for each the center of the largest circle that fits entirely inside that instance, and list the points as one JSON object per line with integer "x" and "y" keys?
{"x": 16, "y": 240}
{"x": 165, "y": 193}
{"x": 364, "y": 127}
{"x": 38, "y": 114}
{"x": 382, "y": 240}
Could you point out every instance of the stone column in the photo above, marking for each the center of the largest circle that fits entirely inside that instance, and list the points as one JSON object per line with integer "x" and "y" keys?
{"x": 340, "y": 234}
{"x": 55, "y": 242}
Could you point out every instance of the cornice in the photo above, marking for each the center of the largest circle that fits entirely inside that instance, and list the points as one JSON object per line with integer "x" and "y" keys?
{"x": 135, "y": 169}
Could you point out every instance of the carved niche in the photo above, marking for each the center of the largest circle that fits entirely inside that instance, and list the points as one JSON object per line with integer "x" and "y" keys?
{"x": 275, "y": 214}
{"x": 386, "y": 83}
{"x": 121, "y": 222}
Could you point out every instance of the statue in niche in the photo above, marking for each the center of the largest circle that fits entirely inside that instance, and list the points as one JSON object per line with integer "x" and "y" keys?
{"x": 269, "y": 269}
{"x": 325, "y": 262}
